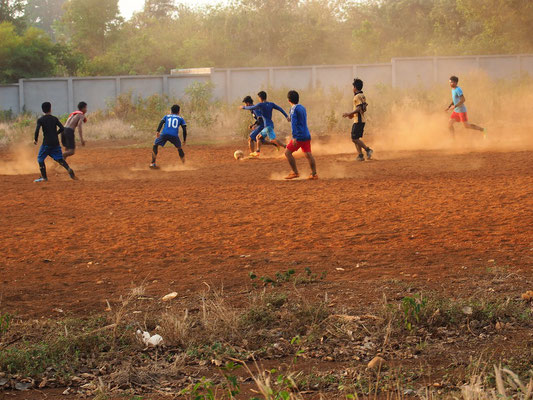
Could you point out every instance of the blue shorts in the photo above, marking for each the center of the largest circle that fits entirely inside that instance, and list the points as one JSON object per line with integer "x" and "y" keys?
{"x": 52, "y": 151}
{"x": 163, "y": 139}
{"x": 268, "y": 133}
{"x": 255, "y": 132}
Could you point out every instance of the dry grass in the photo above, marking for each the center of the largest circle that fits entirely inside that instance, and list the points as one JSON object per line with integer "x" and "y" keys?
{"x": 206, "y": 335}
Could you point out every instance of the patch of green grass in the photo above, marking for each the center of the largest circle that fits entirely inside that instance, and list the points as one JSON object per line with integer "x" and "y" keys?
{"x": 64, "y": 347}
{"x": 5, "y": 323}
{"x": 431, "y": 311}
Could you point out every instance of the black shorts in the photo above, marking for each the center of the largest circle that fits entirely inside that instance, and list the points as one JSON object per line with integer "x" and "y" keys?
{"x": 357, "y": 130}
{"x": 67, "y": 139}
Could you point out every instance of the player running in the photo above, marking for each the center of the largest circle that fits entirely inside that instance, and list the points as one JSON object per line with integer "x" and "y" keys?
{"x": 75, "y": 120}
{"x": 170, "y": 124}
{"x": 256, "y": 127}
{"x": 358, "y": 115}
{"x": 301, "y": 137}
{"x": 50, "y": 147}
{"x": 267, "y": 135}
{"x": 459, "y": 112}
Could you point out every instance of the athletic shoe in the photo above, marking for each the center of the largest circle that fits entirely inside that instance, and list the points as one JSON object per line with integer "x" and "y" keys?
{"x": 153, "y": 166}
{"x": 313, "y": 177}
{"x": 292, "y": 175}
{"x": 369, "y": 153}
{"x": 360, "y": 157}
{"x": 41, "y": 180}
{"x": 255, "y": 154}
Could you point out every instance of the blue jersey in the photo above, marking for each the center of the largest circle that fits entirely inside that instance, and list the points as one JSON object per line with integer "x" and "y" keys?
{"x": 300, "y": 131}
{"x": 171, "y": 124}
{"x": 258, "y": 118}
{"x": 265, "y": 108}
{"x": 456, "y": 96}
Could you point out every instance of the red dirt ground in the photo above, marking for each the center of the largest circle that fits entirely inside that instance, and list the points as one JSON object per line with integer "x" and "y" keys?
{"x": 437, "y": 219}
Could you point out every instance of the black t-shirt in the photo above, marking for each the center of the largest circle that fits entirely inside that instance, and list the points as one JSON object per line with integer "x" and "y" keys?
{"x": 49, "y": 123}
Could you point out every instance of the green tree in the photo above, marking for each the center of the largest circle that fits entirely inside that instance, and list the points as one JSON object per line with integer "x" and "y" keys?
{"x": 29, "y": 55}
{"x": 89, "y": 25}
{"x": 13, "y": 11}
{"x": 159, "y": 8}
{"x": 43, "y": 13}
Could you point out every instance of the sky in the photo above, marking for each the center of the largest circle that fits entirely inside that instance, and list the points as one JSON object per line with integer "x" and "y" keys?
{"x": 128, "y": 7}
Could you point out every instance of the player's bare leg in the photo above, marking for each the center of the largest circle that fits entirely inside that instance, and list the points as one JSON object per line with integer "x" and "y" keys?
{"x": 154, "y": 156}
{"x": 451, "y": 129}
{"x": 278, "y": 144}
{"x": 360, "y": 156}
{"x": 312, "y": 164}
{"x": 251, "y": 145}
{"x": 260, "y": 142}
{"x": 474, "y": 127}
{"x": 292, "y": 163}
{"x": 360, "y": 145}
{"x": 68, "y": 153}
{"x": 468, "y": 125}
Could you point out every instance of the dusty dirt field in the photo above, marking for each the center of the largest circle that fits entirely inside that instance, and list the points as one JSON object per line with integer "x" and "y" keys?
{"x": 436, "y": 219}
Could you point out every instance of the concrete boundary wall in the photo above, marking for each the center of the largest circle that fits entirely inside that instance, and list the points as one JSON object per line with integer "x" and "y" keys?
{"x": 233, "y": 83}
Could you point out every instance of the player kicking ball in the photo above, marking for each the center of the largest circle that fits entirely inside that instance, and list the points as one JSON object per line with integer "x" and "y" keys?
{"x": 267, "y": 135}
{"x": 170, "y": 124}
{"x": 257, "y": 127}
{"x": 301, "y": 137}
{"x": 50, "y": 147}
{"x": 459, "y": 113}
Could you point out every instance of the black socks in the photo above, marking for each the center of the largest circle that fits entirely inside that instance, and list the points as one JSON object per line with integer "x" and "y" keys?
{"x": 42, "y": 167}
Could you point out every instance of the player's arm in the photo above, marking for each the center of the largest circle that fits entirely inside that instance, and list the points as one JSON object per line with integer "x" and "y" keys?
{"x": 461, "y": 101}
{"x": 295, "y": 119}
{"x": 450, "y": 106}
{"x": 184, "y": 129}
{"x": 160, "y": 126}
{"x": 80, "y": 129}
{"x": 281, "y": 110}
{"x": 37, "y": 129}
{"x": 254, "y": 107}
{"x": 60, "y": 126}
{"x": 352, "y": 114}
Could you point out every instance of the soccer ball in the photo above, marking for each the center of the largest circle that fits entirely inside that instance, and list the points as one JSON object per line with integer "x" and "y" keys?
{"x": 238, "y": 154}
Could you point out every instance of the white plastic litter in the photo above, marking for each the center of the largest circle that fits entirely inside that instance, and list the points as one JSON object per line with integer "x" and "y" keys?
{"x": 155, "y": 341}
{"x": 149, "y": 340}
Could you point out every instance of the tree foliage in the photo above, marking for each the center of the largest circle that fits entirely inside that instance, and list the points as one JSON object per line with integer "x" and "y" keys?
{"x": 28, "y": 55}
{"x": 42, "y": 14}
{"x": 89, "y": 25}
{"x": 240, "y": 33}
{"x": 12, "y": 11}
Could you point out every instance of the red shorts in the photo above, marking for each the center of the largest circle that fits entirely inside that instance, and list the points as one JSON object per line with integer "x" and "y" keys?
{"x": 304, "y": 145}
{"x": 459, "y": 117}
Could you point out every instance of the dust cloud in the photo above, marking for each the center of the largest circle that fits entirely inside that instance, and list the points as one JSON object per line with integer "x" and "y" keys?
{"x": 20, "y": 160}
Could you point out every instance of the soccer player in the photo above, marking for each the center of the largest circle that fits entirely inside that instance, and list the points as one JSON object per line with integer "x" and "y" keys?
{"x": 358, "y": 115}
{"x": 267, "y": 135}
{"x": 301, "y": 138}
{"x": 75, "y": 120}
{"x": 459, "y": 110}
{"x": 171, "y": 125}
{"x": 256, "y": 127}
{"x": 50, "y": 147}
